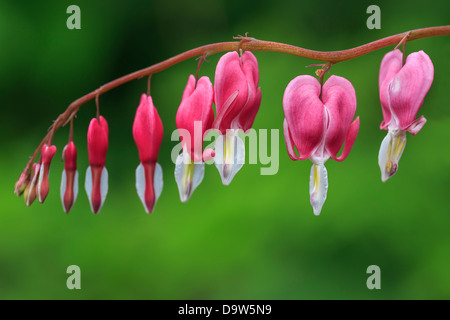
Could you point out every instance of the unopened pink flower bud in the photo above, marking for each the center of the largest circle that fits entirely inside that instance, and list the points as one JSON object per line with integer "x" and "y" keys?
{"x": 69, "y": 180}
{"x": 21, "y": 184}
{"x": 47, "y": 153}
{"x": 148, "y": 134}
{"x": 30, "y": 190}
{"x": 96, "y": 183}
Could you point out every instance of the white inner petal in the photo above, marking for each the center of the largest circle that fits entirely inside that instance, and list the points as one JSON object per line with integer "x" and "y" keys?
{"x": 140, "y": 185}
{"x": 188, "y": 175}
{"x": 88, "y": 186}
{"x": 63, "y": 188}
{"x": 158, "y": 181}
{"x": 75, "y": 187}
{"x": 391, "y": 150}
{"x": 230, "y": 156}
{"x": 318, "y": 186}
{"x": 103, "y": 186}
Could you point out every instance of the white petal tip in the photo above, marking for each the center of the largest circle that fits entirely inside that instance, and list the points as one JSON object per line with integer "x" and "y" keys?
{"x": 391, "y": 150}
{"x": 229, "y": 156}
{"x": 188, "y": 175}
{"x": 318, "y": 187}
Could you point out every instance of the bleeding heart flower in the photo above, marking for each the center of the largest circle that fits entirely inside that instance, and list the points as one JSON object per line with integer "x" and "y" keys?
{"x": 148, "y": 134}
{"x": 319, "y": 126}
{"x": 402, "y": 91}
{"x": 69, "y": 180}
{"x": 96, "y": 183}
{"x": 47, "y": 153}
{"x": 194, "y": 117}
{"x": 237, "y": 98}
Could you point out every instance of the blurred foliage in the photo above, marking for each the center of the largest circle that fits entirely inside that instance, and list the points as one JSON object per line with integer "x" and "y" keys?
{"x": 258, "y": 237}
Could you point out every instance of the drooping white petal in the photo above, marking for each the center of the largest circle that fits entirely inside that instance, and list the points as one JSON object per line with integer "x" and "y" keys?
{"x": 75, "y": 187}
{"x": 188, "y": 175}
{"x": 88, "y": 185}
{"x": 230, "y": 155}
{"x": 158, "y": 181}
{"x": 104, "y": 186}
{"x": 140, "y": 185}
{"x": 390, "y": 153}
{"x": 318, "y": 186}
{"x": 63, "y": 188}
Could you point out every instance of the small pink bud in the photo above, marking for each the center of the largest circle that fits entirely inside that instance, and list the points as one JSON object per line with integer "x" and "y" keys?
{"x": 208, "y": 154}
{"x": 21, "y": 184}
{"x": 47, "y": 153}
{"x": 69, "y": 180}
{"x": 96, "y": 184}
{"x": 148, "y": 134}
{"x": 30, "y": 190}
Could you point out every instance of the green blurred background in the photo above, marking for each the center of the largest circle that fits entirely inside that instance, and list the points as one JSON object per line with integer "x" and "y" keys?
{"x": 258, "y": 237}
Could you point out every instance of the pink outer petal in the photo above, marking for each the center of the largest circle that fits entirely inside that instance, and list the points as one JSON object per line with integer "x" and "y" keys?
{"x": 409, "y": 86}
{"x": 349, "y": 141}
{"x": 147, "y": 130}
{"x": 70, "y": 157}
{"x": 97, "y": 139}
{"x": 229, "y": 78}
{"x": 149, "y": 194}
{"x": 289, "y": 143}
{"x": 223, "y": 121}
{"x": 68, "y": 195}
{"x": 196, "y": 106}
{"x": 415, "y": 126}
{"x": 47, "y": 153}
{"x": 390, "y": 66}
{"x": 96, "y": 195}
{"x": 340, "y": 100}
{"x": 251, "y": 71}
{"x": 247, "y": 116}
{"x": 304, "y": 114}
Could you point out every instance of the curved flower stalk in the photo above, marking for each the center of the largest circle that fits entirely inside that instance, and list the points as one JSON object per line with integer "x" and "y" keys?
{"x": 402, "y": 91}
{"x": 148, "y": 134}
{"x": 47, "y": 154}
{"x": 237, "y": 98}
{"x": 96, "y": 183}
{"x": 319, "y": 126}
{"x": 69, "y": 179}
{"x": 194, "y": 117}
